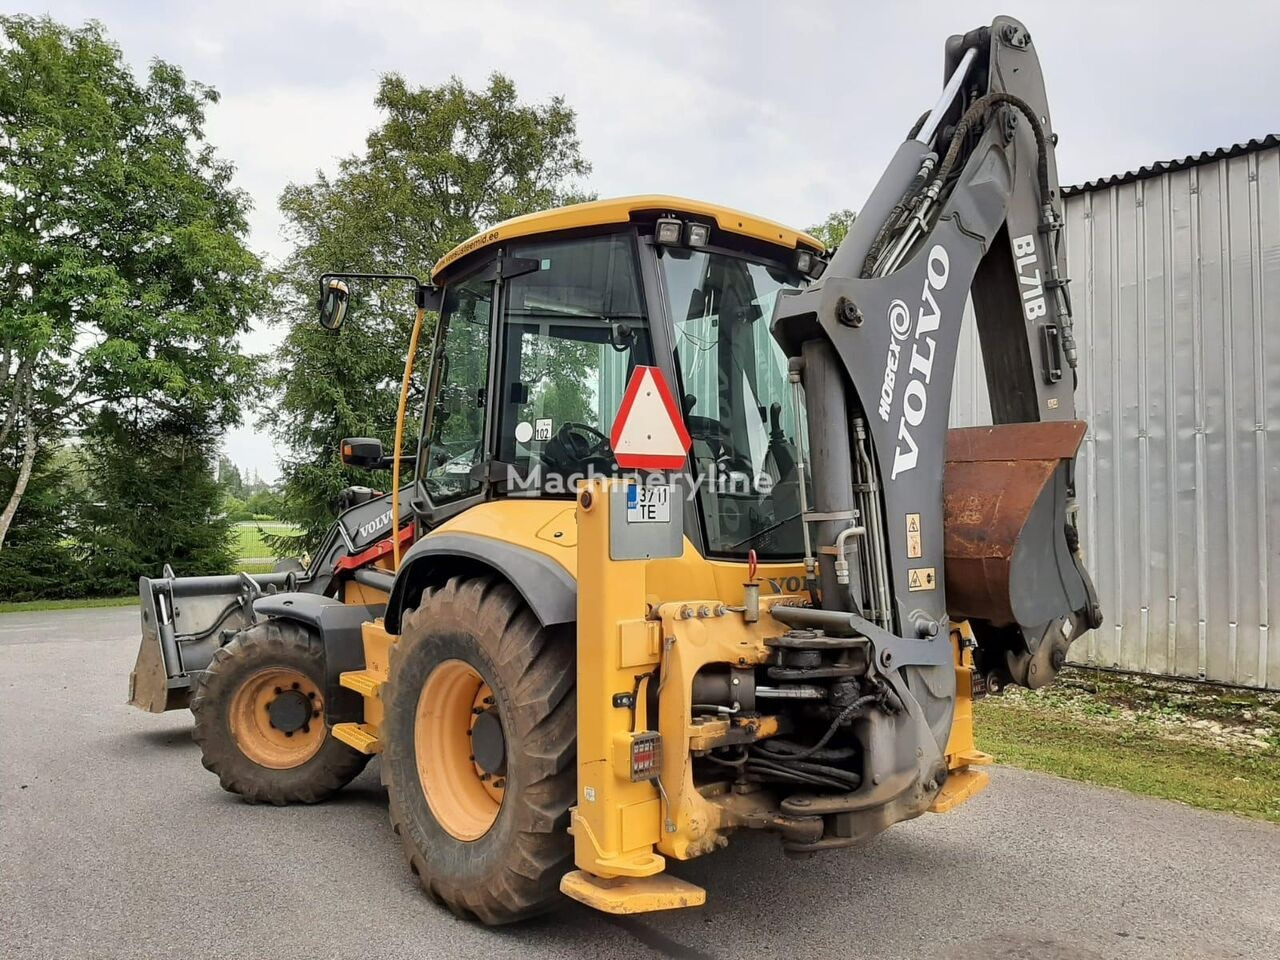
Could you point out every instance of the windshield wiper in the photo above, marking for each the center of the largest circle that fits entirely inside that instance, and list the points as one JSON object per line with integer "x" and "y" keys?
{"x": 761, "y": 533}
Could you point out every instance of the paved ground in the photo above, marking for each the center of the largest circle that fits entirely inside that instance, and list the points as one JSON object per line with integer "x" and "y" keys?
{"x": 114, "y": 842}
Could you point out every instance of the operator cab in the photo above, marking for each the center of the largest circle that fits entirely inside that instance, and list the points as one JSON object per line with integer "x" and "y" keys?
{"x": 545, "y": 318}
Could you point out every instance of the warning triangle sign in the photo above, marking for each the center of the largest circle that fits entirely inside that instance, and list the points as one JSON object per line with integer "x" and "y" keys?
{"x": 649, "y": 432}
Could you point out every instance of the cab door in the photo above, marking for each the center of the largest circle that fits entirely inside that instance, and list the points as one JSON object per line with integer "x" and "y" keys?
{"x": 452, "y": 450}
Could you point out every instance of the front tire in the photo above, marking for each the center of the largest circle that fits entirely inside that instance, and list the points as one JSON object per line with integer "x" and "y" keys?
{"x": 259, "y": 718}
{"x": 480, "y": 748}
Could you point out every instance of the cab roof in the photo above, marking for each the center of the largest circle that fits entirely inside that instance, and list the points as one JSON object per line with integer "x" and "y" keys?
{"x": 622, "y": 210}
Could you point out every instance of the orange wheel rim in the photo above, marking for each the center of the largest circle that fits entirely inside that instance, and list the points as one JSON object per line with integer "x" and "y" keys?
{"x": 277, "y": 718}
{"x": 463, "y": 797}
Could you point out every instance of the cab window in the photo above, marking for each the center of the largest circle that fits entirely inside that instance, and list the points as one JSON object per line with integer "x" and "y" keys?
{"x": 574, "y": 330}
{"x": 456, "y": 440}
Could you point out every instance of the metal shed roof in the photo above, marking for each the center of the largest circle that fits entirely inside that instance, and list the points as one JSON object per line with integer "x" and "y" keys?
{"x": 1168, "y": 166}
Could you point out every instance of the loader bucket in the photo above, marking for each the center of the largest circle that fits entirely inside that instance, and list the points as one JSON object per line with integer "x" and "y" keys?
{"x": 184, "y": 620}
{"x": 1012, "y": 563}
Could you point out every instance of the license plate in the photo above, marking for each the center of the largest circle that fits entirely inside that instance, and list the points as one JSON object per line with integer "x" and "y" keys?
{"x": 649, "y": 504}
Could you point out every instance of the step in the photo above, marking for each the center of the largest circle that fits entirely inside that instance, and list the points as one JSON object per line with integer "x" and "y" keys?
{"x": 362, "y": 682}
{"x": 358, "y": 736}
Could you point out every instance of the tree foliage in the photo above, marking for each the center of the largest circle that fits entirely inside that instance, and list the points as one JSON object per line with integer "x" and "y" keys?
{"x": 124, "y": 277}
{"x": 832, "y": 230}
{"x": 39, "y": 561}
{"x": 444, "y": 162}
{"x": 127, "y": 529}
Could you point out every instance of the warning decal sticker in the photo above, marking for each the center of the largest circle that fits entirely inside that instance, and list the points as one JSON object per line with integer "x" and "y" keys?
{"x": 914, "y": 550}
{"x": 921, "y": 578}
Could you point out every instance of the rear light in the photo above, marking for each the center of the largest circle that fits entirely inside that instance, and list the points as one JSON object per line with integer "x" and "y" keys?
{"x": 646, "y": 755}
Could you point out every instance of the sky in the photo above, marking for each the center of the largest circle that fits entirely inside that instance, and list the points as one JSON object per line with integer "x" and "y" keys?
{"x": 787, "y": 110}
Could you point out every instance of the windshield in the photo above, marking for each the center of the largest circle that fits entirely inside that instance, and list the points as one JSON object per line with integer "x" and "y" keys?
{"x": 737, "y": 400}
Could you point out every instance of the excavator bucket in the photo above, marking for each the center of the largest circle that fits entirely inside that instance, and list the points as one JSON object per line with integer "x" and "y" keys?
{"x": 1010, "y": 569}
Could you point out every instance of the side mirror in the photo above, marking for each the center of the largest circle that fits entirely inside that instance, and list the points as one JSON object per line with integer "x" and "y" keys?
{"x": 363, "y": 452}
{"x": 333, "y": 305}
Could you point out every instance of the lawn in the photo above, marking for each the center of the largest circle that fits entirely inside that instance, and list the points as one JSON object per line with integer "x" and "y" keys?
{"x": 1205, "y": 746}
{"x": 251, "y": 543}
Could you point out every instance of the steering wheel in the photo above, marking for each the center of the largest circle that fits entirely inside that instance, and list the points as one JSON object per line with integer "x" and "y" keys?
{"x": 577, "y": 444}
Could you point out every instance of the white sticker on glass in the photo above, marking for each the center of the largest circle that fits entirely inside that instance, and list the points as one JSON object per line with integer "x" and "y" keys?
{"x": 524, "y": 431}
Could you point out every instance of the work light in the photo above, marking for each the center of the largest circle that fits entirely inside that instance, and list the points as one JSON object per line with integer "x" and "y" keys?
{"x": 667, "y": 230}
{"x": 697, "y": 234}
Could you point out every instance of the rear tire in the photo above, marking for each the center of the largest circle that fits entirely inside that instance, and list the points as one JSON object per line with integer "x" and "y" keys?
{"x": 271, "y": 673}
{"x": 489, "y": 846}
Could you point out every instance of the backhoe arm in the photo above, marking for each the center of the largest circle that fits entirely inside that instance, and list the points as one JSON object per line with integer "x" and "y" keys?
{"x": 978, "y": 525}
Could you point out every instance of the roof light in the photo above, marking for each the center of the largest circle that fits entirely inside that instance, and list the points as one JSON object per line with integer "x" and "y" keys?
{"x": 697, "y": 234}
{"x": 667, "y": 230}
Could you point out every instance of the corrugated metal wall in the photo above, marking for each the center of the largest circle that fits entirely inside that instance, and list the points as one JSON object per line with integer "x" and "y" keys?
{"x": 1176, "y": 289}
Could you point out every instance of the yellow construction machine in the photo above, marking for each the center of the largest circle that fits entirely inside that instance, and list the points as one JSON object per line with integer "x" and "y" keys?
{"x": 689, "y": 547}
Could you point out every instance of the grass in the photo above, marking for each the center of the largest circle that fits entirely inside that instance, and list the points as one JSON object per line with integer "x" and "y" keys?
{"x": 250, "y": 540}
{"x": 1208, "y": 747}
{"x": 79, "y": 604}
{"x": 254, "y": 568}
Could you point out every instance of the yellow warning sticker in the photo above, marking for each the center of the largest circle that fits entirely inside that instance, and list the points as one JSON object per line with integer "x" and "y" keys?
{"x": 921, "y": 578}
{"x": 914, "y": 549}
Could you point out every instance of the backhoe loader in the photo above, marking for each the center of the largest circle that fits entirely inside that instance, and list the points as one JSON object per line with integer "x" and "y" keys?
{"x": 590, "y": 653}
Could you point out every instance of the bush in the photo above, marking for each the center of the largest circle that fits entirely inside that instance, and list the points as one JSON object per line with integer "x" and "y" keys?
{"x": 235, "y": 509}
{"x": 265, "y": 505}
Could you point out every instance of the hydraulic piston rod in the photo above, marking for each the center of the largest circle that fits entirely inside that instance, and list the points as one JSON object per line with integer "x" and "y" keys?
{"x": 949, "y": 94}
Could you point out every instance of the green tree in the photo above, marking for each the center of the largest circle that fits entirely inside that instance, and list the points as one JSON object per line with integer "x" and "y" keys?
{"x": 230, "y": 478}
{"x": 832, "y": 230}
{"x": 265, "y": 503}
{"x": 444, "y": 162}
{"x": 128, "y": 529}
{"x": 38, "y": 561}
{"x": 124, "y": 277}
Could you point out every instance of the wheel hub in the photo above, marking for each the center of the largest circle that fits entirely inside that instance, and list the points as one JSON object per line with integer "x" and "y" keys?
{"x": 488, "y": 744}
{"x": 276, "y": 718}
{"x": 290, "y": 711}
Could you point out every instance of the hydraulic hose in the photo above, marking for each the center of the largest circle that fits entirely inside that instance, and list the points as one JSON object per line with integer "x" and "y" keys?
{"x": 979, "y": 111}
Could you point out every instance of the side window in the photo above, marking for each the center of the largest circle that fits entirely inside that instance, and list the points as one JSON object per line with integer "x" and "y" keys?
{"x": 456, "y": 442}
